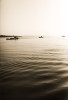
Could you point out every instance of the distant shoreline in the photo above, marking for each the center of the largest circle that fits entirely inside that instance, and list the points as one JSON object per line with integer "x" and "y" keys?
{"x": 9, "y": 36}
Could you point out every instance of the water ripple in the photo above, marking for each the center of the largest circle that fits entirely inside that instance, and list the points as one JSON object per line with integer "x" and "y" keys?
{"x": 34, "y": 72}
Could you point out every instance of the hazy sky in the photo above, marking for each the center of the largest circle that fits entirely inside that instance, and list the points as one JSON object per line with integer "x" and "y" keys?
{"x": 34, "y": 17}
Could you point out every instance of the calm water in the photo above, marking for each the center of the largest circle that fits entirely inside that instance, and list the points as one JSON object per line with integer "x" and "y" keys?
{"x": 34, "y": 69}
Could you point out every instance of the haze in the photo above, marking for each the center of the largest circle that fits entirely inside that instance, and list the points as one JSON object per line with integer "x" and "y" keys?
{"x": 34, "y": 17}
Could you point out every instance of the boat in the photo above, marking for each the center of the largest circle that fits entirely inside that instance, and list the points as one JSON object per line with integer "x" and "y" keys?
{"x": 63, "y": 36}
{"x": 13, "y": 38}
{"x": 41, "y": 37}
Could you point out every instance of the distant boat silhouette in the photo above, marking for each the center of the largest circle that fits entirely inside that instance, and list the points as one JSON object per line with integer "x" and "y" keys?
{"x": 41, "y": 37}
{"x": 14, "y": 38}
{"x": 63, "y": 36}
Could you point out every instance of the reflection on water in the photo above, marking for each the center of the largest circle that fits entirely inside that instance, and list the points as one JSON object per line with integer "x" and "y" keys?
{"x": 34, "y": 69}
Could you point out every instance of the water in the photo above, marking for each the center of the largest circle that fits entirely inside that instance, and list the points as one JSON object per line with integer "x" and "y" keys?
{"x": 34, "y": 69}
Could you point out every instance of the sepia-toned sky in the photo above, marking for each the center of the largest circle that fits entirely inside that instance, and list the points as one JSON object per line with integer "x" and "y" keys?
{"x": 34, "y": 17}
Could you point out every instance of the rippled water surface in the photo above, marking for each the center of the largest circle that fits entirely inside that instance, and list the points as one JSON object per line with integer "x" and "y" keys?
{"x": 34, "y": 69}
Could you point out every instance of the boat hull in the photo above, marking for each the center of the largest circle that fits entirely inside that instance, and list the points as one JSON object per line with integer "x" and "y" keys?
{"x": 12, "y": 39}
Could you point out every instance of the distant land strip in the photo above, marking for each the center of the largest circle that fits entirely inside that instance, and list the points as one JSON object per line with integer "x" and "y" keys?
{"x": 9, "y": 36}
